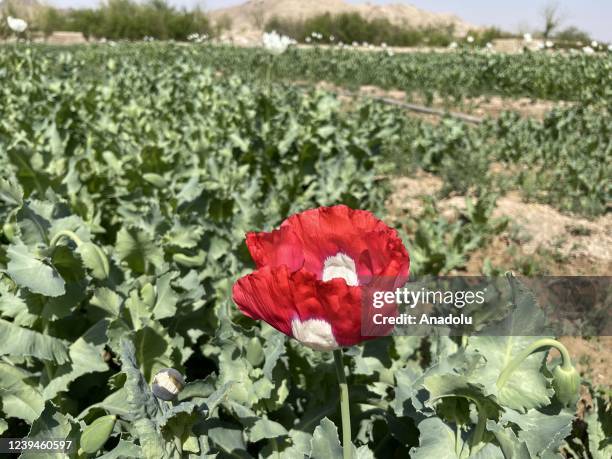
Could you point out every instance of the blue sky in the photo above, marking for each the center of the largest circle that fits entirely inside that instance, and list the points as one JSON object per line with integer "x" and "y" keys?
{"x": 594, "y": 16}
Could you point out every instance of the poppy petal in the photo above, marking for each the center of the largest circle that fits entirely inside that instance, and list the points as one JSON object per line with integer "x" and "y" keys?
{"x": 266, "y": 294}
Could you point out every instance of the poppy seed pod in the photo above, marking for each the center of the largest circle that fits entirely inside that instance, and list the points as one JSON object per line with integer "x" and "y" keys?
{"x": 167, "y": 383}
{"x": 566, "y": 382}
{"x": 94, "y": 259}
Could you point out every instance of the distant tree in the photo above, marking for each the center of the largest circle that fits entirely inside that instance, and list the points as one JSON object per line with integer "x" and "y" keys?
{"x": 573, "y": 34}
{"x": 49, "y": 20}
{"x": 552, "y": 16}
{"x": 352, "y": 27}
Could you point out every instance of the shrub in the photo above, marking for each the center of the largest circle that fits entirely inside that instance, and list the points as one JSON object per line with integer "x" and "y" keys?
{"x": 351, "y": 27}
{"x": 574, "y": 35}
{"x": 127, "y": 20}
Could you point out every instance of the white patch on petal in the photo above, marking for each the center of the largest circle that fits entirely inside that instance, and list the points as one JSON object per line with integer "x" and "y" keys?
{"x": 340, "y": 266}
{"x": 314, "y": 333}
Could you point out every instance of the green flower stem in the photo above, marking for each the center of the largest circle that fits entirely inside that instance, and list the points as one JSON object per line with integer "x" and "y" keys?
{"x": 480, "y": 425}
{"x": 269, "y": 74}
{"x": 536, "y": 345}
{"x": 344, "y": 405}
{"x": 46, "y": 364}
{"x": 68, "y": 234}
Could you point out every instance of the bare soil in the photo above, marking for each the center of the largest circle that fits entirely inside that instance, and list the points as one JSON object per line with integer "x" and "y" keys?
{"x": 558, "y": 243}
{"x": 481, "y": 106}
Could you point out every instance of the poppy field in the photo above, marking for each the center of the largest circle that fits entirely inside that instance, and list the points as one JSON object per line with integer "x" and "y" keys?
{"x": 130, "y": 175}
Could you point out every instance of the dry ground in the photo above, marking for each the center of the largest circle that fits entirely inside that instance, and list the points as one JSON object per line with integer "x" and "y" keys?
{"x": 575, "y": 244}
{"x": 481, "y": 106}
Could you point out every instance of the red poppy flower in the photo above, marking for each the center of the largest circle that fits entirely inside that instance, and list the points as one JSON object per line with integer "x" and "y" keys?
{"x": 314, "y": 274}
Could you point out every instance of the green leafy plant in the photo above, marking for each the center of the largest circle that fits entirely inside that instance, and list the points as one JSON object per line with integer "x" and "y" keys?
{"x": 129, "y": 177}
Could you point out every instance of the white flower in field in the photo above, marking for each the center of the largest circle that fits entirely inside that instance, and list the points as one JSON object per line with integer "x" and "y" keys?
{"x": 383, "y": 44}
{"x": 541, "y": 45}
{"x": 588, "y": 50}
{"x": 527, "y": 38}
{"x": 609, "y": 47}
{"x": 16, "y": 25}
{"x": 470, "y": 39}
{"x": 594, "y": 44}
{"x": 549, "y": 44}
{"x": 489, "y": 45}
{"x": 453, "y": 45}
{"x": 332, "y": 38}
{"x": 275, "y": 43}
{"x": 390, "y": 53}
{"x": 355, "y": 44}
{"x": 308, "y": 39}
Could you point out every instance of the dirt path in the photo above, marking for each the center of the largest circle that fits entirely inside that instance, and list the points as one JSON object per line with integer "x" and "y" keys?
{"x": 482, "y": 106}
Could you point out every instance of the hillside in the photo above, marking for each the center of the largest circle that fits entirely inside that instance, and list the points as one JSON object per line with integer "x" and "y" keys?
{"x": 248, "y": 19}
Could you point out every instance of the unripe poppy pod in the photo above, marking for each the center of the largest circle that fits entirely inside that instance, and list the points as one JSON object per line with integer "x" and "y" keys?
{"x": 167, "y": 383}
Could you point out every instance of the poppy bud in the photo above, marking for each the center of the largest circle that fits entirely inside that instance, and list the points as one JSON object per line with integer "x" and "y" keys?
{"x": 97, "y": 433}
{"x": 94, "y": 259}
{"x": 156, "y": 180}
{"x": 566, "y": 382}
{"x": 190, "y": 262}
{"x": 9, "y": 231}
{"x": 167, "y": 383}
